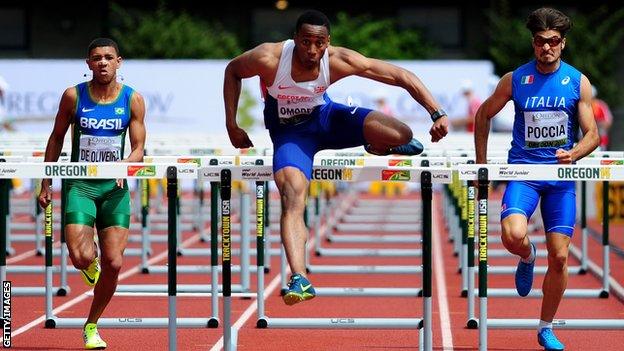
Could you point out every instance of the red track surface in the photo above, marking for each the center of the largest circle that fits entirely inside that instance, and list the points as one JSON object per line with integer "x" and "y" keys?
{"x": 28, "y": 311}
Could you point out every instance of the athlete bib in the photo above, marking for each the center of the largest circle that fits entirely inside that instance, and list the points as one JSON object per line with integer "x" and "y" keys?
{"x": 545, "y": 128}
{"x": 100, "y": 148}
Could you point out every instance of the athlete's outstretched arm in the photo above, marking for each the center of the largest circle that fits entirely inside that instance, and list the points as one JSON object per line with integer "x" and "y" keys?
{"x": 136, "y": 128}
{"x": 348, "y": 62}
{"x": 62, "y": 121}
{"x": 590, "y": 140}
{"x": 254, "y": 62}
{"x": 488, "y": 109}
{"x": 345, "y": 62}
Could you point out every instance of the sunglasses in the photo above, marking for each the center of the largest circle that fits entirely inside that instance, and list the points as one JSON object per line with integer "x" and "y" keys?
{"x": 552, "y": 41}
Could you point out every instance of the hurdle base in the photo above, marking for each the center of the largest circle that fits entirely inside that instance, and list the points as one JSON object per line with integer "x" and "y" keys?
{"x": 364, "y": 269}
{"x": 355, "y": 292}
{"x": 342, "y": 323}
{"x": 38, "y": 291}
{"x": 128, "y": 322}
{"x": 575, "y": 293}
{"x": 180, "y": 288}
{"x": 213, "y": 323}
{"x": 611, "y": 324}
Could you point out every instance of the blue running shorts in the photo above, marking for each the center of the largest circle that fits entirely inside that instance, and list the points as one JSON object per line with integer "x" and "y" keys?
{"x": 331, "y": 126}
{"x": 558, "y": 203}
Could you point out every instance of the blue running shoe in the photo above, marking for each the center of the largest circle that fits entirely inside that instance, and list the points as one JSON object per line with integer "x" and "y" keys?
{"x": 414, "y": 147}
{"x": 547, "y": 338}
{"x": 299, "y": 289}
{"x": 524, "y": 275}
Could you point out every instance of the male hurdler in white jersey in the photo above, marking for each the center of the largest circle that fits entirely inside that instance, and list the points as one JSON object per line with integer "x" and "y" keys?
{"x": 303, "y": 120}
{"x": 552, "y": 101}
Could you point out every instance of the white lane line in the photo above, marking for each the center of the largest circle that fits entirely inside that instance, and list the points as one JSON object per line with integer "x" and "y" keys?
{"x": 251, "y": 309}
{"x": 28, "y": 254}
{"x": 438, "y": 265}
{"x": 132, "y": 271}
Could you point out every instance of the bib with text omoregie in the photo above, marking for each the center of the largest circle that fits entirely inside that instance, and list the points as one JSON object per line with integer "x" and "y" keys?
{"x": 287, "y": 98}
{"x": 546, "y": 112}
{"x": 100, "y": 128}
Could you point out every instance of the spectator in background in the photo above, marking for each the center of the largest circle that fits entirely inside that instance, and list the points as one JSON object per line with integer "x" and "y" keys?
{"x": 381, "y": 102}
{"x": 390, "y": 189}
{"x": 603, "y": 117}
{"x": 466, "y": 123}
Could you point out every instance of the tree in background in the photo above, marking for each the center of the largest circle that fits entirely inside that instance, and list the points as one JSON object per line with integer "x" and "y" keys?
{"x": 591, "y": 45}
{"x": 381, "y": 38}
{"x": 245, "y": 105}
{"x": 163, "y": 34}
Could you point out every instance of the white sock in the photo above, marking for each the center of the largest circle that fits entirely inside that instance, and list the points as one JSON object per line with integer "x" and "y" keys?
{"x": 543, "y": 325}
{"x": 531, "y": 257}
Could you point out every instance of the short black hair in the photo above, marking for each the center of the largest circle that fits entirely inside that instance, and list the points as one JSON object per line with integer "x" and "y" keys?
{"x": 100, "y": 42}
{"x": 546, "y": 18}
{"x": 313, "y": 17}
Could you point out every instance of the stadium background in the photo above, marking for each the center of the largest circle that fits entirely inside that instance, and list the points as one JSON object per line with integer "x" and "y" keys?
{"x": 486, "y": 31}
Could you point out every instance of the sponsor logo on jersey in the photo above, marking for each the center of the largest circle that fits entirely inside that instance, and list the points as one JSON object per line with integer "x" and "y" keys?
{"x": 320, "y": 89}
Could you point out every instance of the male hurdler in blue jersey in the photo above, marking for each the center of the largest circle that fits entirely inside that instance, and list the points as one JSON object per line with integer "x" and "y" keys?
{"x": 552, "y": 101}
{"x": 101, "y": 112}
{"x": 303, "y": 120}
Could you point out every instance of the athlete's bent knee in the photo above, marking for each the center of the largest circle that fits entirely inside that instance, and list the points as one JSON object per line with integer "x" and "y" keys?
{"x": 557, "y": 261}
{"x": 405, "y": 133}
{"x": 513, "y": 240}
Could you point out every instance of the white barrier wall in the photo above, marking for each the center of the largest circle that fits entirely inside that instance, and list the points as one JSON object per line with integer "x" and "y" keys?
{"x": 185, "y": 96}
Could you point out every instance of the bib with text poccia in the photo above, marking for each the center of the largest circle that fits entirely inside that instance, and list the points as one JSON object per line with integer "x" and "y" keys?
{"x": 545, "y": 128}
{"x": 100, "y": 148}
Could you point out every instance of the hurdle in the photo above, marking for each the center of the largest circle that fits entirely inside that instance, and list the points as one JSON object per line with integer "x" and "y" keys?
{"x": 462, "y": 200}
{"x": 264, "y": 173}
{"x": 388, "y": 227}
{"x": 581, "y": 269}
{"x": 61, "y": 290}
{"x": 485, "y": 173}
{"x": 244, "y": 268}
{"x": 112, "y": 171}
{"x": 402, "y": 238}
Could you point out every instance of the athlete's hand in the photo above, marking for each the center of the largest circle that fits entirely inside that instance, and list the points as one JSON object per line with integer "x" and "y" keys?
{"x": 120, "y": 182}
{"x": 563, "y": 156}
{"x": 239, "y": 138}
{"x": 439, "y": 129}
{"x": 45, "y": 196}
